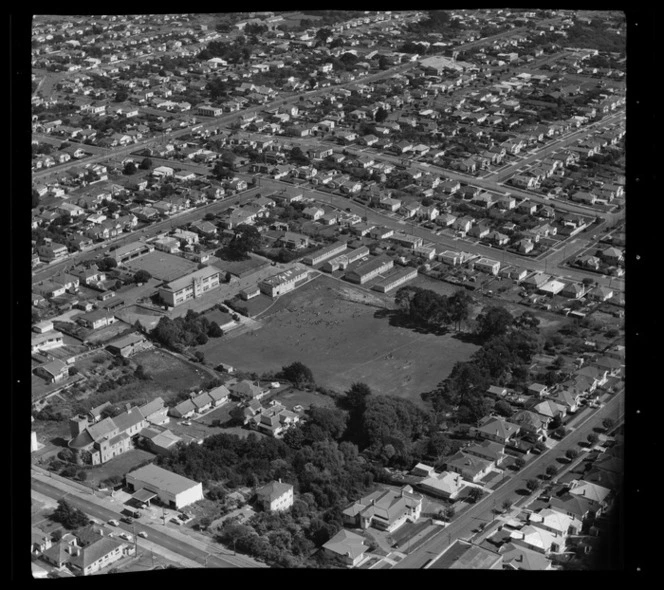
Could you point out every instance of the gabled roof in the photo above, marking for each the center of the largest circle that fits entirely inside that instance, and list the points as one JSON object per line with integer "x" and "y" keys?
{"x": 522, "y": 558}
{"x": 128, "y": 419}
{"x": 498, "y": 427}
{"x": 590, "y": 491}
{"x": 346, "y": 543}
{"x": 273, "y": 490}
{"x": 151, "y": 407}
{"x": 102, "y": 429}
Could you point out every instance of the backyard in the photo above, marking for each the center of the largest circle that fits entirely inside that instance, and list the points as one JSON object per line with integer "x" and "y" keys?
{"x": 332, "y": 328}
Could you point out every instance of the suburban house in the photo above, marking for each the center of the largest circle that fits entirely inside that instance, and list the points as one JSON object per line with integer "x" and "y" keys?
{"x": 532, "y": 424}
{"x": 54, "y": 371}
{"x": 276, "y": 496}
{"x": 470, "y": 467}
{"x": 89, "y": 558}
{"x": 384, "y": 509}
{"x": 107, "y": 438}
{"x": 516, "y": 557}
{"x": 444, "y": 485}
{"x": 496, "y": 429}
{"x": 246, "y": 391}
{"x": 129, "y": 345}
{"x": 348, "y": 546}
{"x": 274, "y": 420}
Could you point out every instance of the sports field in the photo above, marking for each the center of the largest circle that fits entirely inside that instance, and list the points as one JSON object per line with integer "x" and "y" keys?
{"x": 331, "y": 327}
{"x": 163, "y": 266}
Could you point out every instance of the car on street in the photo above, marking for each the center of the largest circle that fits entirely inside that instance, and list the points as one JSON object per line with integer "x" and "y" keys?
{"x": 143, "y": 534}
{"x": 113, "y": 522}
{"x": 126, "y": 536}
{"x": 127, "y": 520}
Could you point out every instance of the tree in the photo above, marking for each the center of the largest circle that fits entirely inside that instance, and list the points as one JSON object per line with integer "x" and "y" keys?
{"x": 493, "y": 321}
{"x": 247, "y": 239}
{"x": 69, "y": 516}
{"x": 146, "y": 164}
{"x": 551, "y": 470}
{"x": 608, "y": 423}
{"x": 449, "y": 512}
{"x": 381, "y": 115}
{"x": 503, "y": 408}
{"x": 531, "y": 485}
{"x": 356, "y": 397}
{"x": 475, "y": 494}
{"x": 592, "y": 438}
{"x": 214, "y": 331}
{"x": 35, "y": 198}
{"x": 142, "y": 276}
{"x": 298, "y": 374}
{"x": 519, "y": 463}
{"x": 107, "y": 263}
{"x": 129, "y": 168}
{"x": 507, "y": 504}
{"x": 571, "y": 454}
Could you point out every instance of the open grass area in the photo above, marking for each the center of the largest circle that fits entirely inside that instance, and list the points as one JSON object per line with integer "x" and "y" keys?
{"x": 170, "y": 374}
{"x": 120, "y": 465}
{"x": 163, "y": 266}
{"x": 332, "y": 327}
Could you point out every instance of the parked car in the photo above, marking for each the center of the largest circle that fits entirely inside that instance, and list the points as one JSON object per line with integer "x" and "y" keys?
{"x": 113, "y": 522}
{"x": 143, "y": 534}
{"x": 126, "y": 536}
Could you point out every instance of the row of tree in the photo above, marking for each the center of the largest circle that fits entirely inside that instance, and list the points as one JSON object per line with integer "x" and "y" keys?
{"x": 191, "y": 330}
{"x": 504, "y": 358}
{"x": 429, "y": 308}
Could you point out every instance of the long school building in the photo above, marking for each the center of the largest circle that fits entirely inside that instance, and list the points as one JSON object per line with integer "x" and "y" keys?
{"x": 190, "y": 286}
{"x": 343, "y": 260}
{"x": 283, "y": 282}
{"x": 370, "y": 269}
{"x": 325, "y": 253}
{"x": 395, "y": 280}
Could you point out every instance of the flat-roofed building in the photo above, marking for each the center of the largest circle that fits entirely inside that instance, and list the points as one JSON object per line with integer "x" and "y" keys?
{"x": 283, "y": 282}
{"x": 450, "y": 257}
{"x": 395, "y": 280}
{"x": 190, "y": 286}
{"x": 487, "y": 265}
{"x": 170, "y": 488}
{"x": 325, "y": 253}
{"x": 407, "y": 240}
{"x": 131, "y": 251}
{"x": 370, "y": 269}
{"x": 553, "y": 287}
{"x": 343, "y": 260}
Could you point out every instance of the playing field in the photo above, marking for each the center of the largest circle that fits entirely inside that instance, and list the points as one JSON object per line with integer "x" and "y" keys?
{"x": 327, "y": 326}
{"x": 163, "y": 266}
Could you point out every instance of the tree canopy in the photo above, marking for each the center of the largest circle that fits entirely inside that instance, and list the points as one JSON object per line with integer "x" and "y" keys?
{"x": 298, "y": 374}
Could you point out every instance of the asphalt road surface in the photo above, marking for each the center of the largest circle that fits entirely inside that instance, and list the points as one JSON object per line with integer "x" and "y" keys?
{"x": 175, "y": 545}
{"x": 463, "y": 526}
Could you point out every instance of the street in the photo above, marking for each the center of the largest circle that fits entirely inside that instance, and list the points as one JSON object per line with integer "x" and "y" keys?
{"x": 160, "y": 535}
{"x": 462, "y": 527}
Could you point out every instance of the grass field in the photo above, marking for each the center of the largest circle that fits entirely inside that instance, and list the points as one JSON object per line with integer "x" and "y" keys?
{"x": 163, "y": 266}
{"x": 326, "y": 326}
